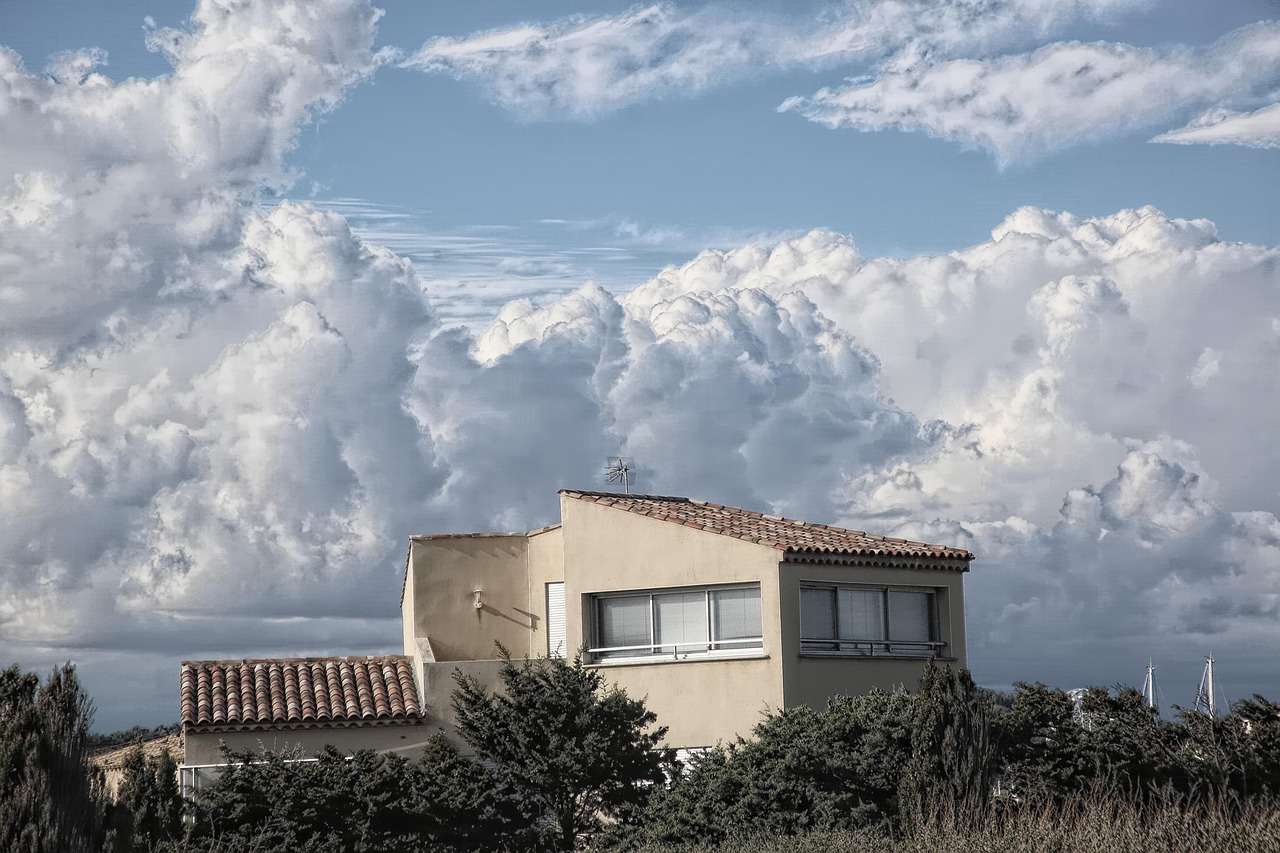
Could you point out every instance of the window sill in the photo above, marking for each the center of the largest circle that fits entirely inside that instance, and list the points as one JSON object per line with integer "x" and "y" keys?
{"x": 882, "y": 656}
{"x": 754, "y": 654}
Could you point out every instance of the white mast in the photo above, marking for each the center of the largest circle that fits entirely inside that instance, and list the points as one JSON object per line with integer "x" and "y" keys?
{"x": 1206, "y": 701}
{"x": 1149, "y": 687}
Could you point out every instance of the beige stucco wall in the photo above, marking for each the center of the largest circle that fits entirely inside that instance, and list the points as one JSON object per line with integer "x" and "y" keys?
{"x": 812, "y": 680}
{"x": 204, "y": 748}
{"x": 701, "y": 700}
{"x": 445, "y": 573}
{"x": 546, "y": 565}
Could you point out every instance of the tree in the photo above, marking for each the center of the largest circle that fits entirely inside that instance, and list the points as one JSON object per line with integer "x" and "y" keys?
{"x": 569, "y": 749}
{"x": 50, "y": 796}
{"x": 1038, "y": 743}
{"x": 951, "y": 766}
{"x": 803, "y": 770}
{"x": 148, "y": 808}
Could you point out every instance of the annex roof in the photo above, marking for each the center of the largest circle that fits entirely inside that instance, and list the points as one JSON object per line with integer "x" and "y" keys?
{"x": 793, "y": 537}
{"x": 298, "y": 693}
{"x": 115, "y": 757}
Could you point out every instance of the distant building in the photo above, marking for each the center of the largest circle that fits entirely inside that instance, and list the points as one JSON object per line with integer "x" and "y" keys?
{"x": 713, "y": 614}
{"x": 112, "y": 760}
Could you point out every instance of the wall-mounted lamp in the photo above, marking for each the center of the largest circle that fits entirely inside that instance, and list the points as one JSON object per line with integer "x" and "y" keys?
{"x": 476, "y": 602}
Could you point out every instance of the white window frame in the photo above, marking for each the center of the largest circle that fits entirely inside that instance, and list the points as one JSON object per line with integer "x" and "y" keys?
{"x": 886, "y": 646}
{"x": 657, "y": 651}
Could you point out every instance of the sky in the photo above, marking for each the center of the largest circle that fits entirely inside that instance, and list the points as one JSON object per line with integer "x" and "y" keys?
{"x": 283, "y": 283}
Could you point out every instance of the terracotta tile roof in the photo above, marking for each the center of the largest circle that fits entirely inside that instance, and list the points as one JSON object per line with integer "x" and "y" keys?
{"x": 798, "y": 538}
{"x": 114, "y": 758}
{"x": 298, "y": 693}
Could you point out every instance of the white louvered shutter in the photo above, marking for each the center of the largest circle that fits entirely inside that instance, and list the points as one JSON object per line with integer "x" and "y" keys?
{"x": 555, "y": 620}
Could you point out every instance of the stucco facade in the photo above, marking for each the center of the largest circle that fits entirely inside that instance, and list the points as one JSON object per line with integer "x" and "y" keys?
{"x": 464, "y": 593}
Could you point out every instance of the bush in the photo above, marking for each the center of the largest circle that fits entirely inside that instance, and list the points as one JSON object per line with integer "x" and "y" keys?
{"x": 804, "y": 770}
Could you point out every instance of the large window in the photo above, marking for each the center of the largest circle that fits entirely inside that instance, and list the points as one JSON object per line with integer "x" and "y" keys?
{"x": 860, "y": 620}
{"x": 676, "y": 623}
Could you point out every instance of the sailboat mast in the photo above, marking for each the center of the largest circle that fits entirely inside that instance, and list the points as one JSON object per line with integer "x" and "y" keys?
{"x": 1206, "y": 701}
{"x": 1149, "y": 686}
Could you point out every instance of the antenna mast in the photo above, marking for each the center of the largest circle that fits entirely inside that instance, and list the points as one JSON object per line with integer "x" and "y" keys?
{"x": 620, "y": 469}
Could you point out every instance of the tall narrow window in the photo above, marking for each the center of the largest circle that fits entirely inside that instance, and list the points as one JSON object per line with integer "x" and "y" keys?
{"x": 556, "y": 626}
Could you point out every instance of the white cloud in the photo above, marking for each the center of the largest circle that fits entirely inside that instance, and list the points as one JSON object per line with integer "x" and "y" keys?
{"x": 1023, "y": 106}
{"x": 119, "y": 199}
{"x": 1258, "y": 129}
{"x": 584, "y": 66}
{"x": 219, "y": 423}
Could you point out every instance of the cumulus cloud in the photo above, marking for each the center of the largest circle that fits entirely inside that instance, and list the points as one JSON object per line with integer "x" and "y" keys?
{"x": 1092, "y": 375}
{"x": 219, "y": 423}
{"x": 1258, "y": 129}
{"x": 119, "y": 199}
{"x": 1023, "y": 106}
{"x": 584, "y": 66}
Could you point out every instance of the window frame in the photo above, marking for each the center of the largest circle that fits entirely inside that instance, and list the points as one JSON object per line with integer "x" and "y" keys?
{"x": 654, "y": 651}
{"x": 886, "y": 647}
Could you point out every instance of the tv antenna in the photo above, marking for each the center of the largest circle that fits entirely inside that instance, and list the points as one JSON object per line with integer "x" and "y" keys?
{"x": 620, "y": 469}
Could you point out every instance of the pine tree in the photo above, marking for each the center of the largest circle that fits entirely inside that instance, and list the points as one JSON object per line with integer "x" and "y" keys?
{"x": 950, "y": 771}
{"x": 568, "y": 748}
{"x": 50, "y": 796}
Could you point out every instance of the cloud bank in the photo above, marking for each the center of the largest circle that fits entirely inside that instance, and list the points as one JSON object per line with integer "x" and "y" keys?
{"x": 1023, "y": 106}
{"x": 934, "y": 66}
{"x": 219, "y": 423}
{"x": 582, "y": 67}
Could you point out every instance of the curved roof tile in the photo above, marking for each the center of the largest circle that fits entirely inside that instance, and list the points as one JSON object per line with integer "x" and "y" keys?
{"x": 298, "y": 691}
{"x": 785, "y": 534}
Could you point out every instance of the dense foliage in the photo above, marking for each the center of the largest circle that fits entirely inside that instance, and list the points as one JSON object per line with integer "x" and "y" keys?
{"x": 49, "y": 798}
{"x": 559, "y": 760}
{"x": 569, "y": 749}
{"x": 443, "y": 802}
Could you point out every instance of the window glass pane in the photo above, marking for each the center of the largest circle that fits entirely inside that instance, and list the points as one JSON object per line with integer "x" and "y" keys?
{"x": 909, "y": 618}
{"x": 680, "y": 619}
{"x": 861, "y": 614}
{"x": 735, "y": 613}
{"x": 817, "y": 614}
{"x": 624, "y": 621}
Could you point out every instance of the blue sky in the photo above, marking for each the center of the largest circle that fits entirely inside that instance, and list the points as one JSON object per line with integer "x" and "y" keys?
{"x": 916, "y": 267}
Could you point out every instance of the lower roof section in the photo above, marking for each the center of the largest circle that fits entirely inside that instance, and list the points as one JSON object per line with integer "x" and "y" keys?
{"x": 299, "y": 693}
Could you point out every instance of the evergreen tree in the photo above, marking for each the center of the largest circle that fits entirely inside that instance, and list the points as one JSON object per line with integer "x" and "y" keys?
{"x": 951, "y": 767}
{"x": 569, "y": 749}
{"x": 1038, "y": 742}
{"x": 804, "y": 770}
{"x": 148, "y": 808}
{"x": 50, "y": 796}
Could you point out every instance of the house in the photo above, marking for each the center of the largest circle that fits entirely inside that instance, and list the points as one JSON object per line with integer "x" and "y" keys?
{"x": 713, "y": 614}
{"x": 112, "y": 760}
{"x": 297, "y": 705}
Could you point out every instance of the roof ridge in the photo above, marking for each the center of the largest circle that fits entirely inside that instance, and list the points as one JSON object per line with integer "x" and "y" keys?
{"x": 317, "y": 659}
{"x": 790, "y": 535}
